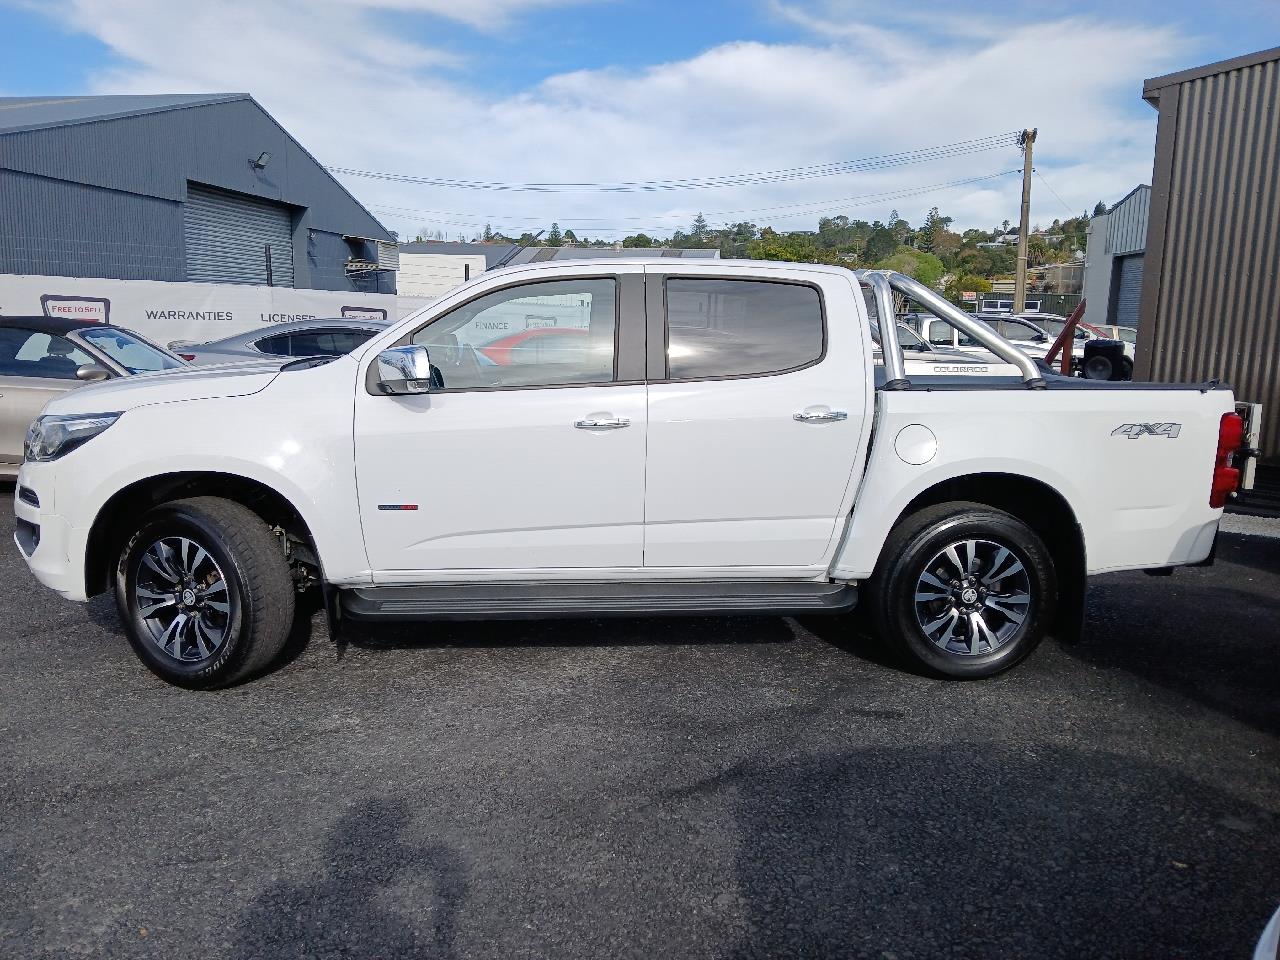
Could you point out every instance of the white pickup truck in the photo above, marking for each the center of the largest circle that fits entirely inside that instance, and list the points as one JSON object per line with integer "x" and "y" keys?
{"x": 694, "y": 438}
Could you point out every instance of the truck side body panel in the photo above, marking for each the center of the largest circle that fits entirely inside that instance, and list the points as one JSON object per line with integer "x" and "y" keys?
{"x": 1133, "y": 465}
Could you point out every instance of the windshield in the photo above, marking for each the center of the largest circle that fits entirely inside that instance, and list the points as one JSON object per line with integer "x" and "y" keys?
{"x": 908, "y": 339}
{"x": 1054, "y": 328}
{"x": 131, "y": 352}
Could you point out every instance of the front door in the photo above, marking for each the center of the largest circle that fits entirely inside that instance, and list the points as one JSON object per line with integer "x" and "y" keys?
{"x": 758, "y": 409}
{"x": 528, "y": 461}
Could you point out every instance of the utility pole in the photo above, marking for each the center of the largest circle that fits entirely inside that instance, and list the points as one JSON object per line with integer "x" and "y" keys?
{"x": 1025, "y": 140}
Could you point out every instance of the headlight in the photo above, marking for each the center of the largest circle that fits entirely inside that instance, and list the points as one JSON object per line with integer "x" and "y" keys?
{"x": 51, "y": 437}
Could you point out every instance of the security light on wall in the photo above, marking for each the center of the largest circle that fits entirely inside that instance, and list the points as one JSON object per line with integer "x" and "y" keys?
{"x": 262, "y": 160}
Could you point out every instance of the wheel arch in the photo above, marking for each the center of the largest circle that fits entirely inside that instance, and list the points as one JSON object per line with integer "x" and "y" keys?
{"x": 1041, "y": 507}
{"x": 114, "y": 520}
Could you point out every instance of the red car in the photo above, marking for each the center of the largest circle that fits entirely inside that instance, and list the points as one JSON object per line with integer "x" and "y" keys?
{"x": 532, "y": 345}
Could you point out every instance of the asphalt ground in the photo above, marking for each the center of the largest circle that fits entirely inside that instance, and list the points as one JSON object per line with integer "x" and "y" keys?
{"x": 650, "y": 788}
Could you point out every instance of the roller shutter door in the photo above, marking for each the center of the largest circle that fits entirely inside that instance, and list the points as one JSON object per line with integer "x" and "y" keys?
{"x": 1129, "y": 290}
{"x": 228, "y": 235}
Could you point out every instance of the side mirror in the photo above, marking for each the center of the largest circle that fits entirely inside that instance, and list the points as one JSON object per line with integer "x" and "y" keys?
{"x": 91, "y": 373}
{"x": 404, "y": 370}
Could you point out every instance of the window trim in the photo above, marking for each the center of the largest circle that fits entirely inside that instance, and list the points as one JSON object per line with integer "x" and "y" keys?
{"x": 619, "y": 287}
{"x": 665, "y": 358}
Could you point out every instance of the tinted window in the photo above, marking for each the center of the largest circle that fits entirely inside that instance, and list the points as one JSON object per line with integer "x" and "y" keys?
{"x": 277, "y": 346}
{"x": 535, "y": 334}
{"x": 726, "y": 328}
{"x": 26, "y": 353}
{"x": 324, "y": 343}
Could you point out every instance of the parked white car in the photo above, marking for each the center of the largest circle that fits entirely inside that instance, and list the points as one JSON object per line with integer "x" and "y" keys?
{"x": 1033, "y": 333}
{"x": 717, "y": 439}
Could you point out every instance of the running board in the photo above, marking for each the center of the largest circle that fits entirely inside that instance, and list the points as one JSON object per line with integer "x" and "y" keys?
{"x": 516, "y": 600}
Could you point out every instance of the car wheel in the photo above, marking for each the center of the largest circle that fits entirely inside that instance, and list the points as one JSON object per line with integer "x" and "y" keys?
{"x": 1097, "y": 367}
{"x": 1126, "y": 369}
{"x": 963, "y": 591}
{"x": 204, "y": 592}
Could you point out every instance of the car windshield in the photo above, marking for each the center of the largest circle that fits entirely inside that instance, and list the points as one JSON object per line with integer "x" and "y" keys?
{"x": 1054, "y": 328}
{"x": 131, "y": 352}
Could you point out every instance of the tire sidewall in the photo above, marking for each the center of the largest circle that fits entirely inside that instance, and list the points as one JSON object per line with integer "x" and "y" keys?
{"x": 925, "y": 545}
{"x": 168, "y": 521}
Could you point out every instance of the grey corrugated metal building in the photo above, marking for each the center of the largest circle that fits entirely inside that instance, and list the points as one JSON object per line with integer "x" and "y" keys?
{"x": 1114, "y": 260}
{"x": 1211, "y": 289}
{"x": 182, "y": 188}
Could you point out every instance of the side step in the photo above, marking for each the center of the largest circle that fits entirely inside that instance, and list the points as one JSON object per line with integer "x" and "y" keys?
{"x": 520, "y": 600}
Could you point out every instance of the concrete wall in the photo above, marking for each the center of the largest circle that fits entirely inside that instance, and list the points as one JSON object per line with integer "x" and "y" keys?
{"x": 1097, "y": 271}
{"x": 434, "y": 274}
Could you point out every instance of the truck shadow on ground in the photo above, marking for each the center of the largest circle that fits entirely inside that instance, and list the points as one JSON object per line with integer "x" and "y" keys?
{"x": 611, "y": 632}
{"x": 981, "y": 849}
{"x": 965, "y": 850}
{"x": 1209, "y": 635}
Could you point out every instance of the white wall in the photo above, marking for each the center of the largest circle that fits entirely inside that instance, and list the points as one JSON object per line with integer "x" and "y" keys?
{"x": 1097, "y": 271}
{"x": 435, "y": 274}
{"x": 187, "y": 311}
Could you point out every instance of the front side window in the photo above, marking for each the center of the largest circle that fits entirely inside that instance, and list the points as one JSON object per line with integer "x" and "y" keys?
{"x": 734, "y": 328}
{"x": 132, "y": 353}
{"x": 28, "y": 353}
{"x": 534, "y": 335}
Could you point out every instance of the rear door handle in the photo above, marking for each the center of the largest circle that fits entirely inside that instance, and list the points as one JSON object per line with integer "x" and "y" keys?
{"x": 820, "y": 416}
{"x": 605, "y": 423}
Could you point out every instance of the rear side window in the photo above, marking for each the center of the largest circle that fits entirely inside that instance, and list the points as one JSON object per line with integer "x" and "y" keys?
{"x": 28, "y": 353}
{"x": 737, "y": 328}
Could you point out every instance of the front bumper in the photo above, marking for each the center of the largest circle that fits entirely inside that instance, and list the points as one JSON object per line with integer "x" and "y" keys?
{"x": 54, "y": 550}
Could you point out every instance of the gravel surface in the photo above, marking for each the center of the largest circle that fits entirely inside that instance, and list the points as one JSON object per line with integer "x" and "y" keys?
{"x": 650, "y": 788}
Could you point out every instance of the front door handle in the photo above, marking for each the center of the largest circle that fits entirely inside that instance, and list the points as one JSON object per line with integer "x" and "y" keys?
{"x": 820, "y": 416}
{"x": 605, "y": 423}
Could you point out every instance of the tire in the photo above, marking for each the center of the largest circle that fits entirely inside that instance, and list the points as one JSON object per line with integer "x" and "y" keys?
{"x": 219, "y": 566}
{"x": 915, "y": 563}
{"x": 1098, "y": 367}
{"x": 1126, "y": 369}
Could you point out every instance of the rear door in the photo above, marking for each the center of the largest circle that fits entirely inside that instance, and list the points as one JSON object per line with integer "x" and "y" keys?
{"x": 35, "y": 367}
{"x": 759, "y": 395}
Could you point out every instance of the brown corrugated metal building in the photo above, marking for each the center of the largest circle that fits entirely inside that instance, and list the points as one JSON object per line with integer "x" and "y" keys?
{"x": 1211, "y": 283}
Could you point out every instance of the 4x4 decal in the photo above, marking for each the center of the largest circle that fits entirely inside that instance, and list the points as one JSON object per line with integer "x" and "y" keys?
{"x": 1135, "y": 430}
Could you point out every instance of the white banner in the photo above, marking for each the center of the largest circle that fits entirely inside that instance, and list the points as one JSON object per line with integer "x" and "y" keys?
{"x": 188, "y": 311}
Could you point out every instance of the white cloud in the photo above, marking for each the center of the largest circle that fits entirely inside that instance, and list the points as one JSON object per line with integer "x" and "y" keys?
{"x": 359, "y": 93}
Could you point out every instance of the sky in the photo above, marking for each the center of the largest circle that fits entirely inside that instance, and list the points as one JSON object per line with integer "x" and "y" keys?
{"x": 604, "y": 93}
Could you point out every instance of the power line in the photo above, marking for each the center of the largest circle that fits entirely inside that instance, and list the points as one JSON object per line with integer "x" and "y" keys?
{"x": 649, "y": 223}
{"x": 813, "y": 171}
{"x": 800, "y": 208}
{"x": 1054, "y": 192}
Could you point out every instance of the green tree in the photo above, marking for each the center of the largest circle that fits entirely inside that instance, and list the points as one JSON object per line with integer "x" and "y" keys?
{"x": 923, "y": 266}
{"x": 880, "y": 243}
{"x": 960, "y": 283}
{"x": 570, "y": 237}
{"x": 639, "y": 240}
{"x": 554, "y": 237}
{"x": 1099, "y": 208}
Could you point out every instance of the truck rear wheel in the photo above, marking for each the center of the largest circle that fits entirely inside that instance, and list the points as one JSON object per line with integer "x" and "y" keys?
{"x": 204, "y": 592}
{"x": 963, "y": 590}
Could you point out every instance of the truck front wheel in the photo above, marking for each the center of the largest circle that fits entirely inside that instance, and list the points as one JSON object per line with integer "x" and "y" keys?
{"x": 204, "y": 592}
{"x": 963, "y": 590}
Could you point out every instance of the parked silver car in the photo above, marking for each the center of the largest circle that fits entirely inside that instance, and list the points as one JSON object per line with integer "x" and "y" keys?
{"x": 44, "y": 357}
{"x": 301, "y": 338}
